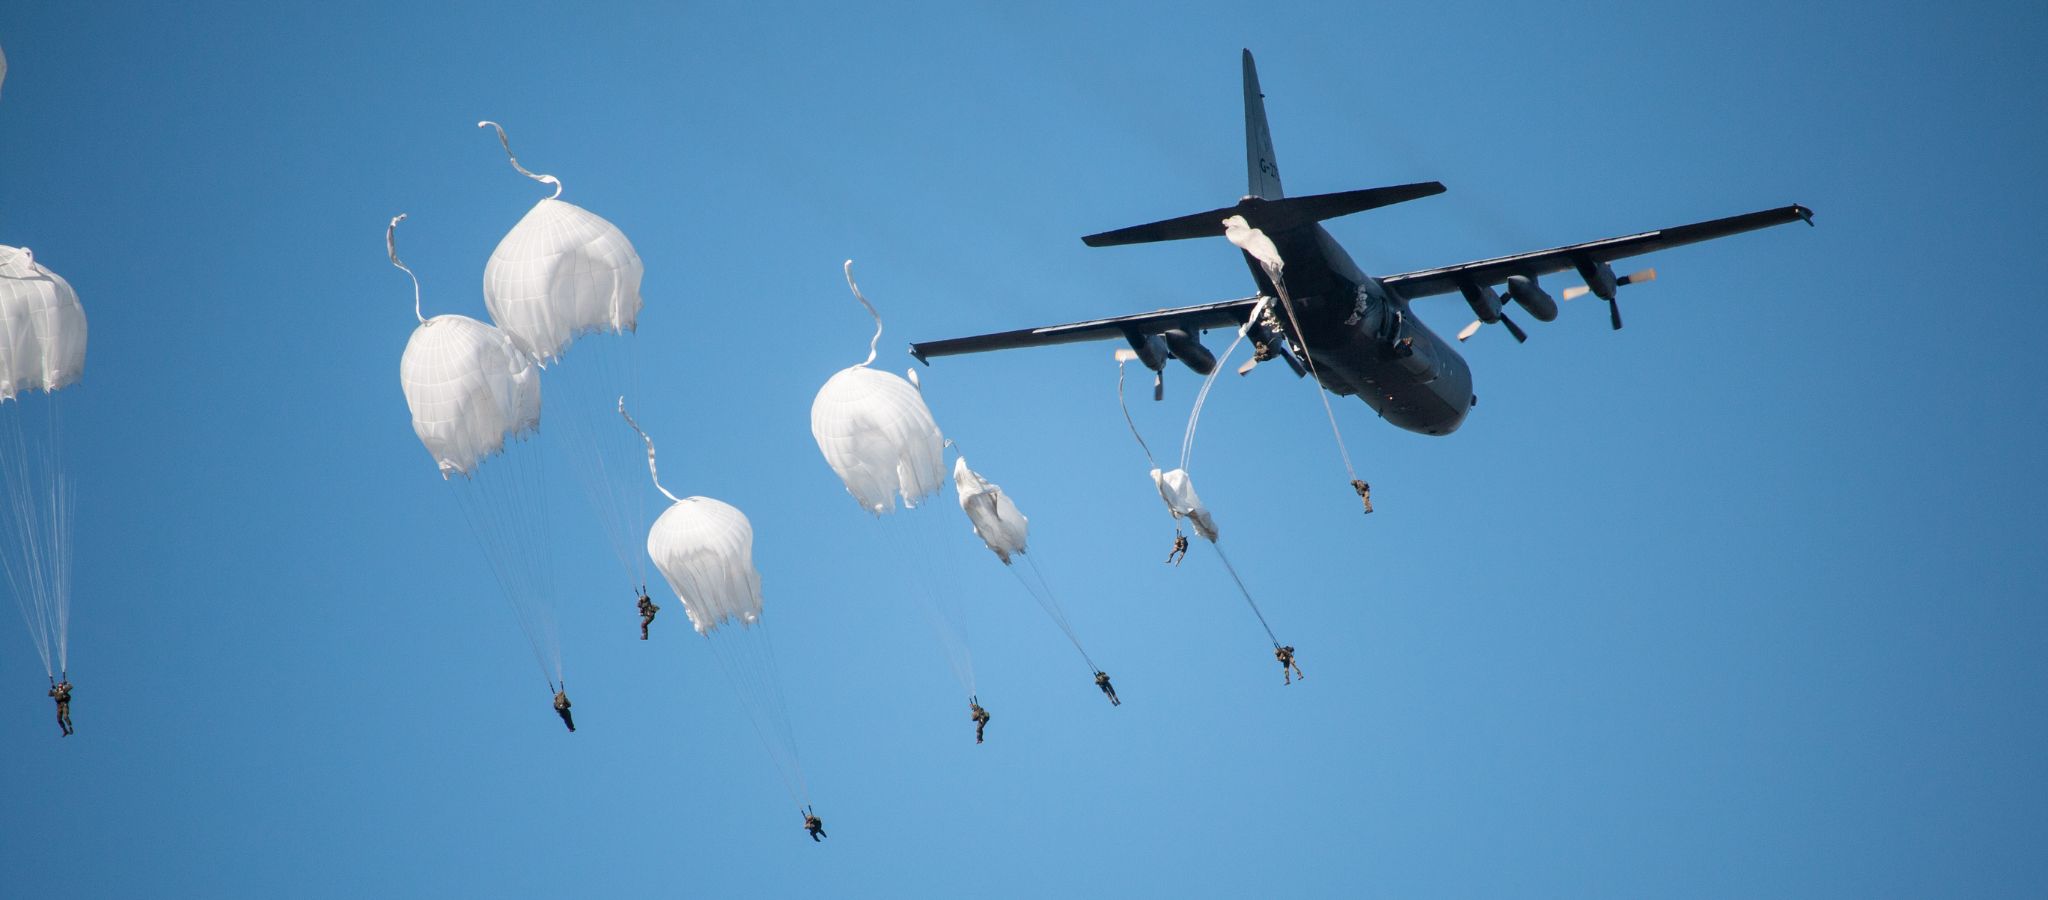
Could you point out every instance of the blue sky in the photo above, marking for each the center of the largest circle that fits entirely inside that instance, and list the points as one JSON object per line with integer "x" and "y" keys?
{"x": 1744, "y": 600}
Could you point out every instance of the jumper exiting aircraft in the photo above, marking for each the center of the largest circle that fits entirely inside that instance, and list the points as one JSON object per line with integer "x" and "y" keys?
{"x": 1354, "y": 330}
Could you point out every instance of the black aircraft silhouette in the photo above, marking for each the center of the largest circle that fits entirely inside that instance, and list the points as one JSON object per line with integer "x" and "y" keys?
{"x": 1354, "y": 329}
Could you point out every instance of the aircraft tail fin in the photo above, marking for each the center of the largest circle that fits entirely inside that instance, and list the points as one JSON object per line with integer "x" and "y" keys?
{"x": 1262, "y": 169}
{"x": 1268, "y": 215}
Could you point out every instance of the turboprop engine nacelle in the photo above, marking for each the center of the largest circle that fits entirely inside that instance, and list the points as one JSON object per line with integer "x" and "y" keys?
{"x": 1187, "y": 347}
{"x": 1484, "y": 302}
{"x": 1533, "y": 298}
{"x": 1151, "y": 349}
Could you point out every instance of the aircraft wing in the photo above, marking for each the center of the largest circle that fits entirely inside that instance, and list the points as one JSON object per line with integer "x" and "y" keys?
{"x": 1446, "y": 280}
{"x": 1193, "y": 318}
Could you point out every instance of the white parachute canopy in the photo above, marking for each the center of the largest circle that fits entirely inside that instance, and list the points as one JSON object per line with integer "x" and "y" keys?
{"x": 878, "y": 435}
{"x": 995, "y": 518}
{"x": 562, "y": 271}
{"x": 1178, "y": 490}
{"x": 469, "y": 389}
{"x": 42, "y": 327}
{"x": 705, "y": 548}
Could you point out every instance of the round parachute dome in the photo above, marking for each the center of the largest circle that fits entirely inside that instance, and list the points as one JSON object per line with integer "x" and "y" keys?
{"x": 469, "y": 389}
{"x": 42, "y": 327}
{"x": 705, "y": 549}
{"x": 995, "y": 518}
{"x": 561, "y": 272}
{"x": 1178, "y": 490}
{"x": 878, "y": 435}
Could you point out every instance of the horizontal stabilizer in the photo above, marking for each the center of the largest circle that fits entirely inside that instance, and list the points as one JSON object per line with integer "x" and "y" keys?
{"x": 1266, "y": 215}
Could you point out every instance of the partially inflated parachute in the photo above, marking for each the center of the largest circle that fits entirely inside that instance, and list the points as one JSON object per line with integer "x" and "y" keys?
{"x": 1004, "y": 530}
{"x": 42, "y": 349}
{"x": 993, "y": 514}
{"x": 1178, "y": 490}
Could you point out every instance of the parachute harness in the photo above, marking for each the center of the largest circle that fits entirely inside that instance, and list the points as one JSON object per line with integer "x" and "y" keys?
{"x": 507, "y": 142}
{"x": 1179, "y": 537}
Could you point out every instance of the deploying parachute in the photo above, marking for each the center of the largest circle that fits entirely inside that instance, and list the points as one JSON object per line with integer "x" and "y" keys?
{"x": 879, "y": 438}
{"x": 563, "y": 273}
{"x": 42, "y": 349}
{"x": 1005, "y": 531}
{"x": 470, "y": 390}
{"x": 704, "y": 548}
{"x": 1177, "y": 487}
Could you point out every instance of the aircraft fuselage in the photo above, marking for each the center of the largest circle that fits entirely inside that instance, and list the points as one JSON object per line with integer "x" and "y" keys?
{"x": 1362, "y": 338}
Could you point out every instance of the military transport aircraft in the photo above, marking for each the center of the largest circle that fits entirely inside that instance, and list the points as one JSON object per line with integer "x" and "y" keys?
{"x": 1355, "y": 330}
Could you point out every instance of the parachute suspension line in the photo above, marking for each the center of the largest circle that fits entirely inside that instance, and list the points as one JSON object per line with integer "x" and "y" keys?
{"x": 508, "y": 515}
{"x": 1247, "y": 593}
{"x": 771, "y": 674}
{"x": 1287, "y": 303}
{"x": 951, "y": 641}
{"x": 1120, "y": 361}
{"x": 507, "y": 142}
{"x": 651, "y": 471}
{"x": 391, "y": 247}
{"x": 748, "y": 660}
{"x": 857, "y": 295}
{"x": 39, "y": 533}
{"x": 62, "y": 505}
{"x": 582, "y": 396}
{"x": 1187, "y": 441}
{"x": 1041, "y": 590}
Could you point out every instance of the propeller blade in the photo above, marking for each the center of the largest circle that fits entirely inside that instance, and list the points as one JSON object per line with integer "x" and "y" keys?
{"x": 1246, "y": 369}
{"x": 1638, "y": 277}
{"x": 1521, "y": 337}
{"x": 1466, "y": 333}
{"x": 1159, "y": 382}
{"x": 1126, "y": 355}
{"x": 1614, "y": 314}
{"x": 1575, "y": 292}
